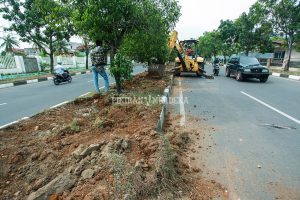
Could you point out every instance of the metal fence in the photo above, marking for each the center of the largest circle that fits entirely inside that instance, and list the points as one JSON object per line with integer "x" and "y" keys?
{"x": 7, "y": 62}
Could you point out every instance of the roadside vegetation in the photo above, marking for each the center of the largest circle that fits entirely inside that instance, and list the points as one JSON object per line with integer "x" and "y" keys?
{"x": 124, "y": 31}
{"x": 267, "y": 20}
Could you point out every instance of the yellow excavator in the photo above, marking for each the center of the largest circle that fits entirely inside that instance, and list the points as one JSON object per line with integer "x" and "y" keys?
{"x": 187, "y": 59}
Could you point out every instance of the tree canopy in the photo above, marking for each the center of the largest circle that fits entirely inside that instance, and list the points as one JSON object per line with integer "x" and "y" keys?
{"x": 42, "y": 22}
{"x": 284, "y": 15}
{"x": 136, "y": 28}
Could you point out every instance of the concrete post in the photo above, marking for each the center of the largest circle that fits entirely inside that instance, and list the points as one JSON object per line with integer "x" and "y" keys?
{"x": 39, "y": 59}
{"x": 269, "y": 62}
{"x": 74, "y": 61}
{"x": 20, "y": 64}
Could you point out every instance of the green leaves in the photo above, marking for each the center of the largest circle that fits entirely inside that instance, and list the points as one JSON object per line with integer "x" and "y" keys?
{"x": 150, "y": 43}
{"x": 9, "y": 42}
{"x": 42, "y": 22}
{"x": 284, "y": 16}
{"x": 121, "y": 67}
{"x": 210, "y": 44}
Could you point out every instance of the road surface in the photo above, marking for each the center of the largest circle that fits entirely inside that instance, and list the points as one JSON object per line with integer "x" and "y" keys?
{"x": 257, "y": 139}
{"x": 26, "y": 100}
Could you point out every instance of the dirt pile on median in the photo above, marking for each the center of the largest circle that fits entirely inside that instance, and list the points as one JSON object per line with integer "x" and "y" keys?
{"x": 97, "y": 148}
{"x": 71, "y": 152}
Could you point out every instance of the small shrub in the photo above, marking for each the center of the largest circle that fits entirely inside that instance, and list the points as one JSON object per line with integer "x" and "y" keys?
{"x": 74, "y": 126}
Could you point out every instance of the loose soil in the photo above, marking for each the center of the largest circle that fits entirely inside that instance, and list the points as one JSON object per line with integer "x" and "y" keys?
{"x": 98, "y": 148}
{"x": 190, "y": 143}
{"x": 35, "y": 151}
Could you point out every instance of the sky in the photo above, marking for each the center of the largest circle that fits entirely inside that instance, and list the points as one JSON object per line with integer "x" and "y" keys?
{"x": 197, "y": 16}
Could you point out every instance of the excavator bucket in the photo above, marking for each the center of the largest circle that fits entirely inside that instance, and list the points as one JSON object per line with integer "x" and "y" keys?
{"x": 172, "y": 40}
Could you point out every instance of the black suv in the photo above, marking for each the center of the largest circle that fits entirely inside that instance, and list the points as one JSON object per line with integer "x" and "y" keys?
{"x": 243, "y": 67}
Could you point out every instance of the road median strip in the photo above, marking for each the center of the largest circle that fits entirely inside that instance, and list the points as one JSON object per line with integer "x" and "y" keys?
{"x": 164, "y": 111}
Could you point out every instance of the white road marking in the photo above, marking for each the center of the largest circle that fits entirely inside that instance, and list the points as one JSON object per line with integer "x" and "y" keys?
{"x": 6, "y": 125}
{"x": 2, "y": 104}
{"x": 272, "y": 108}
{"x": 60, "y": 104}
{"x": 84, "y": 94}
{"x": 14, "y": 122}
{"x": 182, "y": 111}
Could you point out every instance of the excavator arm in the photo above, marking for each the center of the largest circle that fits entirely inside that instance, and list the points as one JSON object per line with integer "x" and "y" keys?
{"x": 177, "y": 47}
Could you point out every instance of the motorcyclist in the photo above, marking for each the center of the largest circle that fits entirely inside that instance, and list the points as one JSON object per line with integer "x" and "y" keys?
{"x": 60, "y": 70}
{"x": 216, "y": 61}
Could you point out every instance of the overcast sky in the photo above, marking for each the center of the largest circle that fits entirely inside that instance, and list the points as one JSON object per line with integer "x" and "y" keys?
{"x": 198, "y": 16}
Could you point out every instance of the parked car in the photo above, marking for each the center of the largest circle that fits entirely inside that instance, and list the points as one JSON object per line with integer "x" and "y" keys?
{"x": 243, "y": 67}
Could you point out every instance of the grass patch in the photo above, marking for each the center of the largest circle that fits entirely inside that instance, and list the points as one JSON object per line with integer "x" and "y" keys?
{"x": 74, "y": 126}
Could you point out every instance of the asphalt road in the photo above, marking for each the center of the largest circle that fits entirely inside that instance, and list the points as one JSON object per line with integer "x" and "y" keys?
{"x": 253, "y": 159}
{"x": 26, "y": 100}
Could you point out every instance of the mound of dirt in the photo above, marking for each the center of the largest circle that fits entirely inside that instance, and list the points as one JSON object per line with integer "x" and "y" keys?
{"x": 71, "y": 152}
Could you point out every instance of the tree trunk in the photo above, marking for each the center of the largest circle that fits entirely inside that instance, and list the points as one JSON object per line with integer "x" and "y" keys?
{"x": 117, "y": 76}
{"x": 290, "y": 46}
{"x": 247, "y": 52}
{"x": 51, "y": 54}
{"x": 87, "y": 59}
{"x": 225, "y": 59}
{"x": 51, "y": 61}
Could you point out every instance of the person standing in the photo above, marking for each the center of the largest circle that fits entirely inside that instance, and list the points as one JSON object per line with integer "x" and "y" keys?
{"x": 99, "y": 61}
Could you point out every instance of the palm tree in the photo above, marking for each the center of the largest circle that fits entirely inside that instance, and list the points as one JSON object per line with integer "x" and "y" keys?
{"x": 9, "y": 43}
{"x": 61, "y": 47}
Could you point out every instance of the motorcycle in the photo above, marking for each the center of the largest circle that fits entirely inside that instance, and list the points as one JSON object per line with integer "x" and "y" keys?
{"x": 62, "y": 78}
{"x": 216, "y": 69}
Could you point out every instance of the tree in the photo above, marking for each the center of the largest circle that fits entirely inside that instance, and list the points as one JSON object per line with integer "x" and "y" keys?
{"x": 122, "y": 67}
{"x": 285, "y": 17}
{"x": 9, "y": 42}
{"x": 150, "y": 44}
{"x": 253, "y": 33}
{"x": 210, "y": 44}
{"x": 245, "y": 33}
{"x": 43, "y": 22}
{"x": 108, "y": 21}
{"x": 112, "y": 21}
{"x": 228, "y": 36}
{"x": 61, "y": 47}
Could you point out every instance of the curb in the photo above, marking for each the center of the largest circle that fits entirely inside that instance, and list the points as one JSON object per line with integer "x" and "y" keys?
{"x": 17, "y": 83}
{"x": 164, "y": 111}
{"x": 293, "y": 77}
